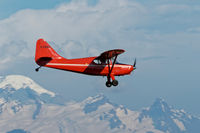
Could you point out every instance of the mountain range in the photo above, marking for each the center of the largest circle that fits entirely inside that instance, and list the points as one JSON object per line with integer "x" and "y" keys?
{"x": 26, "y": 107}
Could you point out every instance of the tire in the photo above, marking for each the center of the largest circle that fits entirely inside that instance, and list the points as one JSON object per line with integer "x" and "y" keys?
{"x": 108, "y": 84}
{"x": 114, "y": 82}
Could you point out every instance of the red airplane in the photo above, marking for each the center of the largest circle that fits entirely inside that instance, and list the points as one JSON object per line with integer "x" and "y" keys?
{"x": 103, "y": 65}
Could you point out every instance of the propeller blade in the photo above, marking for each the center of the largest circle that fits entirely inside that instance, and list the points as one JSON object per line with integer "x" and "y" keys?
{"x": 134, "y": 65}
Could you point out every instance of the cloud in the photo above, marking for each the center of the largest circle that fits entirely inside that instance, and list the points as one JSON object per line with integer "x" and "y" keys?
{"x": 83, "y": 28}
{"x": 194, "y": 30}
{"x": 172, "y": 8}
{"x": 72, "y": 49}
{"x": 78, "y": 29}
{"x": 4, "y": 61}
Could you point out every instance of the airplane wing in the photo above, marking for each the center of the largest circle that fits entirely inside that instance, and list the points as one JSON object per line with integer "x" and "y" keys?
{"x": 110, "y": 54}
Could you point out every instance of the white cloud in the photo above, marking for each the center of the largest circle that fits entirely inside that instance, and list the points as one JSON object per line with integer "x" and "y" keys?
{"x": 4, "y": 61}
{"x": 79, "y": 29}
{"x": 73, "y": 49}
{"x": 194, "y": 30}
{"x": 172, "y": 8}
{"x": 88, "y": 26}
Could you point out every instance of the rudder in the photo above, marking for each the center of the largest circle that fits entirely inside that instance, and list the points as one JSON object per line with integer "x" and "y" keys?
{"x": 44, "y": 52}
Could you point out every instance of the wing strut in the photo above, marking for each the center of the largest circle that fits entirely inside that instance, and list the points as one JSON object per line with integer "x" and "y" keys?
{"x": 113, "y": 64}
{"x": 110, "y": 69}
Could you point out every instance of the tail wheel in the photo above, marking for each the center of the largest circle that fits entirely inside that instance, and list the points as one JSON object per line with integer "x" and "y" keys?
{"x": 108, "y": 84}
{"x": 37, "y": 69}
{"x": 114, "y": 82}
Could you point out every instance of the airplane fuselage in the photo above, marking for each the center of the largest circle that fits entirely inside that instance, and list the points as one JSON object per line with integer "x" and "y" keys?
{"x": 86, "y": 66}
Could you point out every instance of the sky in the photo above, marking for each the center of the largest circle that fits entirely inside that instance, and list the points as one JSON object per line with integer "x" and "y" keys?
{"x": 163, "y": 35}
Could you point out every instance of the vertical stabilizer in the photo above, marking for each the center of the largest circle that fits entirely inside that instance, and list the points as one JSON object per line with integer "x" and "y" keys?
{"x": 44, "y": 52}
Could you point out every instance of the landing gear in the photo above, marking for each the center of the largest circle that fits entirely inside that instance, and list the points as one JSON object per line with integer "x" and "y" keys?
{"x": 37, "y": 69}
{"x": 110, "y": 74}
{"x": 108, "y": 84}
{"x": 114, "y": 82}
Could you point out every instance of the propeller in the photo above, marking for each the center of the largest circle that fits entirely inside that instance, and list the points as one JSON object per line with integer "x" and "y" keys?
{"x": 134, "y": 65}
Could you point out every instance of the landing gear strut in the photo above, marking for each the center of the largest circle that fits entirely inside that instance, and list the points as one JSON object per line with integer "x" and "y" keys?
{"x": 110, "y": 75}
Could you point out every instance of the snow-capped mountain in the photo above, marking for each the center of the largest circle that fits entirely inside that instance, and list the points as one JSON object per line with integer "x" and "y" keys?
{"x": 94, "y": 114}
{"x": 24, "y": 90}
{"x": 17, "y": 82}
{"x": 16, "y": 91}
{"x": 170, "y": 120}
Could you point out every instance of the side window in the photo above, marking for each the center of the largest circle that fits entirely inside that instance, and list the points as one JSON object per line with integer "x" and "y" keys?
{"x": 97, "y": 61}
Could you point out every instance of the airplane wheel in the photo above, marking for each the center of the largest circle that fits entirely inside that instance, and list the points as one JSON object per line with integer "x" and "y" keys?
{"x": 108, "y": 84}
{"x": 37, "y": 69}
{"x": 114, "y": 82}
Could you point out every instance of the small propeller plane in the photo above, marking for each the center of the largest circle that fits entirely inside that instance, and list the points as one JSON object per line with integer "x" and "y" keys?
{"x": 104, "y": 65}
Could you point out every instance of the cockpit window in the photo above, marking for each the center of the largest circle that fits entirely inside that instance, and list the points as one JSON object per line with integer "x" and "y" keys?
{"x": 100, "y": 62}
{"x": 97, "y": 61}
{"x": 116, "y": 62}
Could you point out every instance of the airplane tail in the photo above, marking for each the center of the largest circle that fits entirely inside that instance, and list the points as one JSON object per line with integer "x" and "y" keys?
{"x": 44, "y": 53}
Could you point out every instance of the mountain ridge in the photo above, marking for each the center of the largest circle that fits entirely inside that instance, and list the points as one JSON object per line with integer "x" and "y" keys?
{"x": 94, "y": 114}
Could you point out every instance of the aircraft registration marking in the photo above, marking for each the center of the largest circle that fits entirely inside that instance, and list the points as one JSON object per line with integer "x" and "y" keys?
{"x": 45, "y": 47}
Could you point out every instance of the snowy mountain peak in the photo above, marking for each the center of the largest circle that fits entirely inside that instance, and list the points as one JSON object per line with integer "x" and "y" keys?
{"x": 160, "y": 105}
{"x": 160, "y": 100}
{"x": 17, "y": 82}
{"x": 97, "y": 98}
{"x": 93, "y": 103}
